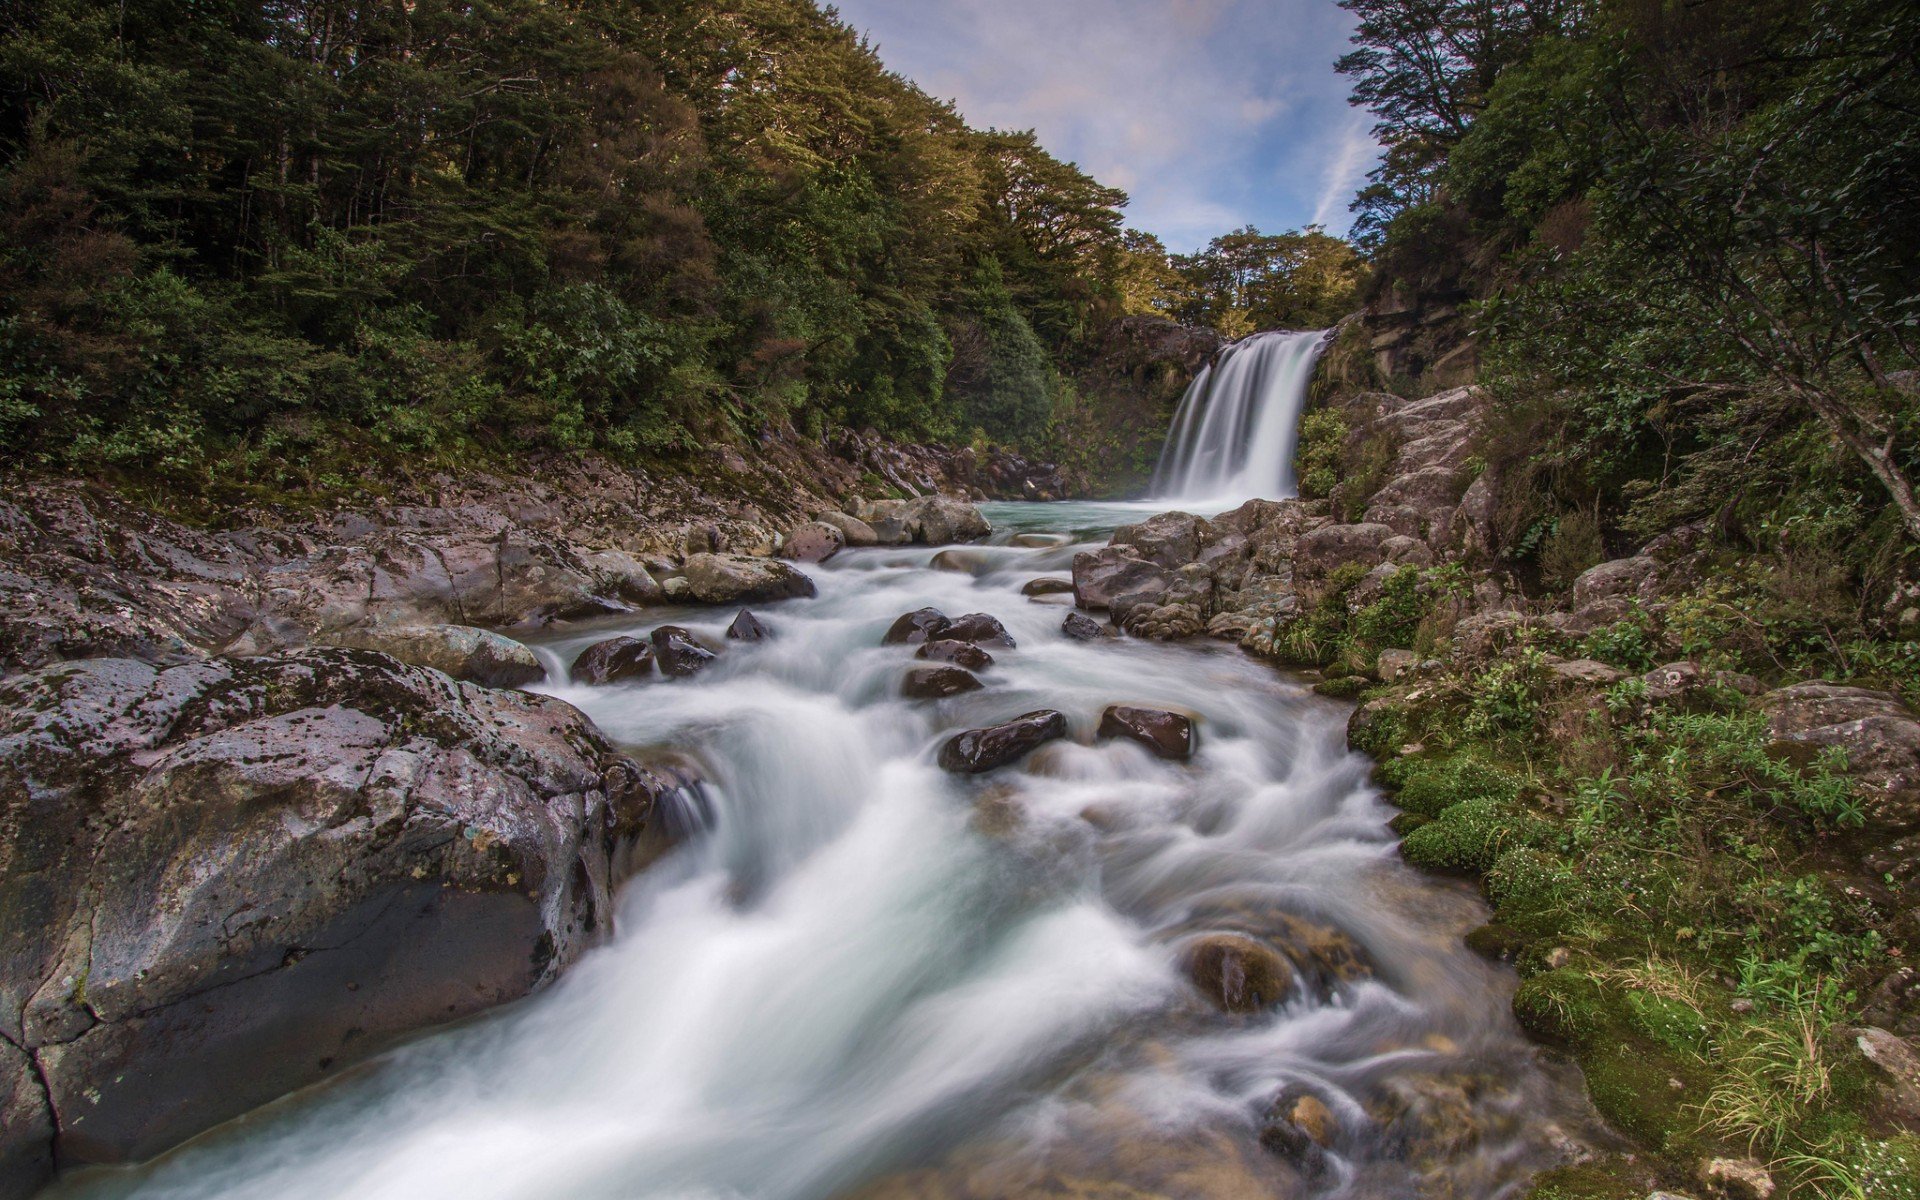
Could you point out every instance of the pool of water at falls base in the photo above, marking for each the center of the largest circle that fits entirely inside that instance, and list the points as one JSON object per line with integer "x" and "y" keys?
{"x": 873, "y": 979}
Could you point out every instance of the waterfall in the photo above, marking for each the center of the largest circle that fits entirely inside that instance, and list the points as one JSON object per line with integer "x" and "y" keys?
{"x": 1232, "y": 437}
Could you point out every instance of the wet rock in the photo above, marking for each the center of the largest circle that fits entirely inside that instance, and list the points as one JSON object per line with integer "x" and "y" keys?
{"x": 1392, "y": 663}
{"x": 233, "y": 876}
{"x": 1299, "y": 1126}
{"x": 979, "y": 628}
{"x": 613, "y": 660}
{"x": 1167, "y": 734}
{"x": 1237, "y": 973}
{"x": 853, "y": 531}
{"x": 1171, "y": 539}
{"x": 920, "y": 625}
{"x": 960, "y": 654}
{"x": 748, "y": 628}
{"x": 736, "y": 578}
{"x": 1100, "y": 576}
{"x": 938, "y": 520}
{"x": 1324, "y": 956}
{"x": 966, "y": 562}
{"x": 1081, "y": 628}
{"x": 475, "y": 655}
{"x": 1164, "y": 622}
{"x": 623, "y": 576}
{"x": 1038, "y": 541}
{"x": 815, "y": 541}
{"x": 978, "y": 750}
{"x": 937, "y": 682}
{"x": 888, "y": 520}
{"x": 1735, "y": 1179}
{"x": 679, "y": 653}
{"x": 1046, "y": 587}
{"x": 1880, "y": 736}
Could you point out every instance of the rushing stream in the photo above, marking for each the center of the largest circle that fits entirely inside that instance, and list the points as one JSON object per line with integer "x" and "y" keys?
{"x": 873, "y": 979}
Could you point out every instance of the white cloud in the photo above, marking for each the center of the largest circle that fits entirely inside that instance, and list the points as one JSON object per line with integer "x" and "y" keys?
{"x": 1347, "y": 166}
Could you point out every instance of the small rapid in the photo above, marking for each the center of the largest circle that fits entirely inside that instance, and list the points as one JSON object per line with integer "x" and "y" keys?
{"x": 1233, "y": 434}
{"x": 869, "y": 978}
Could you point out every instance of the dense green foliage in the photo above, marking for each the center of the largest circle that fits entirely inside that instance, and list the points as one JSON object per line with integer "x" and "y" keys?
{"x": 244, "y": 228}
{"x": 1244, "y": 280}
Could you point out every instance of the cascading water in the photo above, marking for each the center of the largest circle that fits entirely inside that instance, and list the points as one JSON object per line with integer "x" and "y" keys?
{"x": 1233, "y": 434}
{"x": 871, "y": 980}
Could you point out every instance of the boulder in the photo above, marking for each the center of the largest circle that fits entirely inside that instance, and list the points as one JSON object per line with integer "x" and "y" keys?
{"x": 814, "y": 541}
{"x": 738, "y": 579}
{"x": 935, "y": 682}
{"x": 748, "y": 628}
{"x": 938, "y": 520}
{"x": 888, "y": 520}
{"x": 1046, "y": 587}
{"x": 1237, "y": 973}
{"x": 474, "y": 655}
{"x": 960, "y": 654}
{"x": 978, "y": 628}
{"x": 1038, "y": 541}
{"x": 1735, "y": 1179}
{"x": 1585, "y": 672}
{"x": 1684, "y": 681}
{"x": 613, "y": 660}
{"x": 853, "y": 531}
{"x": 679, "y": 653}
{"x": 1171, "y": 539}
{"x": 1099, "y": 576}
{"x": 1081, "y": 628}
{"x": 1167, "y": 734}
{"x": 1164, "y": 622}
{"x": 1879, "y": 734}
{"x": 622, "y": 576}
{"x": 1300, "y": 1126}
{"x": 920, "y": 625}
{"x": 965, "y": 562}
{"x": 978, "y": 750}
{"x": 1392, "y": 663}
{"x": 231, "y": 878}
{"x": 1316, "y": 554}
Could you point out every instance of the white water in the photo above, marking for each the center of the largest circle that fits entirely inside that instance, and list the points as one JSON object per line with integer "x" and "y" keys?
{"x": 873, "y": 978}
{"x": 1233, "y": 435}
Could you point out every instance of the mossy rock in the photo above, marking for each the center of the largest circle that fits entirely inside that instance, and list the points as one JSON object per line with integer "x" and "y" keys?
{"x": 1630, "y": 1081}
{"x": 1563, "y": 1007}
{"x": 1497, "y": 942}
{"x": 1613, "y": 1178}
{"x": 1345, "y": 687}
{"x": 1467, "y": 838}
{"x": 1525, "y": 884}
{"x": 1375, "y": 727}
{"x": 1674, "y": 1024}
{"x": 1406, "y": 822}
{"x": 1431, "y": 786}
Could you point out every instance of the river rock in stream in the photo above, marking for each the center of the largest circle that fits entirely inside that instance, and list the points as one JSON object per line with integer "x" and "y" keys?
{"x": 230, "y": 878}
{"x": 979, "y": 750}
{"x": 613, "y": 660}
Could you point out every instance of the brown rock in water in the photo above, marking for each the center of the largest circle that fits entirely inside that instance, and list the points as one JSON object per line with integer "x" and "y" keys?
{"x": 1167, "y": 734}
{"x": 978, "y": 750}
{"x": 1102, "y": 576}
{"x": 1046, "y": 586}
{"x": 1299, "y": 1126}
{"x": 738, "y": 578}
{"x": 855, "y": 531}
{"x": 475, "y": 655}
{"x": 978, "y": 628}
{"x": 748, "y": 628}
{"x": 1171, "y": 539}
{"x": 678, "y": 653}
{"x": 920, "y": 625}
{"x": 265, "y": 869}
{"x": 1081, "y": 627}
{"x": 814, "y": 541}
{"x": 960, "y": 654}
{"x": 937, "y": 683}
{"x": 1237, "y": 973}
{"x": 613, "y": 660}
{"x": 965, "y": 562}
{"x": 938, "y": 520}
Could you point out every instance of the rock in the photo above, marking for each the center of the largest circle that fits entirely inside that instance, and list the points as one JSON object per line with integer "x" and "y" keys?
{"x": 937, "y": 682}
{"x": 1167, "y": 734}
{"x": 623, "y": 576}
{"x": 748, "y": 628}
{"x": 1392, "y": 663}
{"x": 920, "y": 625}
{"x": 1081, "y": 628}
{"x": 853, "y": 531}
{"x": 1099, "y": 576}
{"x": 938, "y": 520}
{"x": 1038, "y": 541}
{"x": 978, "y": 628}
{"x": 1237, "y": 973}
{"x": 1164, "y": 622}
{"x": 1046, "y": 587}
{"x": 1171, "y": 539}
{"x": 966, "y": 562}
{"x": 1299, "y": 1125}
{"x": 1585, "y": 672}
{"x": 1735, "y": 1179}
{"x": 232, "y": 877}
{"x": 679, "y": 654}
{"x": 978, "y": 750}
{"x": 1898, "y": 1061}
{"x": 1316, "y": 554}
{"x": 814, "y": 541}
{"x": 888, "y": 520}
{"x": 1621, "y": 578}
{"x": 613, "y": 660}
{"x": 1681, "y": 681}
{"x": 1880, "y": 736}
{"x": 737, "y": 579}
{"x": 475, "y": 655}
{"x": 960, "y": 654}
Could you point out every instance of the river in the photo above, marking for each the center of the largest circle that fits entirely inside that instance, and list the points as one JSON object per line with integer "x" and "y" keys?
{"x": 871, "y": 979}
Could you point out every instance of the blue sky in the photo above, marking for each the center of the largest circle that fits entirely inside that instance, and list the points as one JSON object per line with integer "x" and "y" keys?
{"x": 1212, "y": 114}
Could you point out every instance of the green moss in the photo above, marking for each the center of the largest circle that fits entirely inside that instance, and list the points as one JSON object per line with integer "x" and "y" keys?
{"x": 1467, "y": 838}
{"x": 1606, "y": 1179}
{"x": 1532, "y": 886}
{"x": 1501, "y": 943}
{"x": 1563, "y": 1007}
{"x": 1406, "y": 822}
{"x": 1346, "y": 687}
{"x": 1631, "y": 1082}
{"x": 1431, "y": 786}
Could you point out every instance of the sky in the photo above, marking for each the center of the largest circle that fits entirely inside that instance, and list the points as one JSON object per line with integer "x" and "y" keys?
{"x": 1211, "y": 114}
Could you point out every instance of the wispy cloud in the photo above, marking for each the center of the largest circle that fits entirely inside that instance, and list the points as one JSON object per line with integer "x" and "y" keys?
{"x": 1211, "y": 113}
